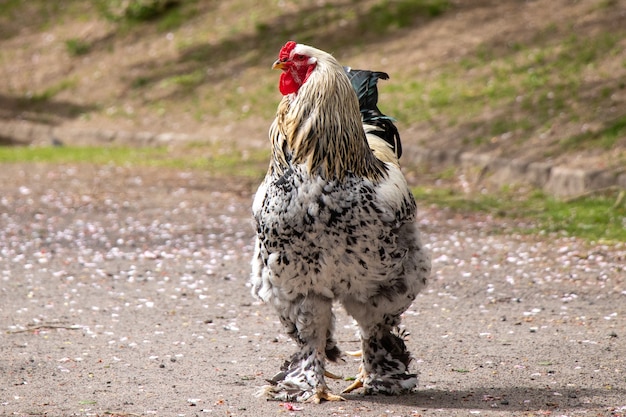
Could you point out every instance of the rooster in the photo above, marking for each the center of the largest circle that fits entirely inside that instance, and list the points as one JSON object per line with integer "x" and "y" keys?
{"x": 335, "y": 221}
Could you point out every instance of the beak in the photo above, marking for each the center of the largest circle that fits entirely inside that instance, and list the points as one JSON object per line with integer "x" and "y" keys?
{"x": 279, "y": 65}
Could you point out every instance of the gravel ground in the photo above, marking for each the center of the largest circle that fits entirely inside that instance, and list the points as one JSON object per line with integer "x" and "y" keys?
{"x": 123, "y": 292}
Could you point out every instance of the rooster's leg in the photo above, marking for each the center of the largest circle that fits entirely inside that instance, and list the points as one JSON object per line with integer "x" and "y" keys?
{"x": 309, "y": 321}
{"x": 385, "y": 363}
{"x": 384, "y": 356}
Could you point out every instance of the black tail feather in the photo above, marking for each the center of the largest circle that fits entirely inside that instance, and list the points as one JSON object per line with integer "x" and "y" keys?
{"x": 365, "y": 83}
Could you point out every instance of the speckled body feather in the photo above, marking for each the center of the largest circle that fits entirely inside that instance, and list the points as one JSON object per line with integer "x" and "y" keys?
{"x": 335, "y": 222}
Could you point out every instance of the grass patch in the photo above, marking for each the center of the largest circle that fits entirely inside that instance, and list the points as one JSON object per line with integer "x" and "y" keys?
{"x": 53, "y": 90}
{"x": 204, "y": 157}
{"x": 188, "y": 81}
{"x": 166, "y": 15}
{"x": 92, "y": 155}
{"x": 77, "y": 47}
{"x": 140, "y": 82}
{"x": 596, "y": 218}
{"x": 388, "y": 15}
{"x": 605, "y": 138}
{"x": 593, "y": 218}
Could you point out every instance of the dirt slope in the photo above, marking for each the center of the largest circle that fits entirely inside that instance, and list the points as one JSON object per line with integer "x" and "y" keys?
{"x": 556, "y": 68}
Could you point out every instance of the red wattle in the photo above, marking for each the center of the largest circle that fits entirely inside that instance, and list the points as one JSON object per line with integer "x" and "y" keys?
{"x": 287, "y": 84}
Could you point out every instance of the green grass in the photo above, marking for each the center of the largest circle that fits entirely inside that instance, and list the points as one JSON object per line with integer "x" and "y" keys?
{"x": 53, "y": 90}
{"x": 193, "y": 156}
{"x": 92, "y": 155}
{"x": 187, "y": 81}
{"x": 77, "y": 47}
{"x": 594, "y": 218}
{"x": 605, "y": 138}
{"x": 387, "y": 15}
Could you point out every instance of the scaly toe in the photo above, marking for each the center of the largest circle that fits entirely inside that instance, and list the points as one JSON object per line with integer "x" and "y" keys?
{"x": 323, "y": 395}
{"x": 355, "y": 385}
{"x": 329, "y": 374}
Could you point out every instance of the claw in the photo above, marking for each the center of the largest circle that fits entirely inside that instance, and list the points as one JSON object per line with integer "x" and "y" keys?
{"x": 331, "y": 375}
{"x": 358, "y": 381}
{"x": 355, "y": 385}
{"x": 323, "y": 395}
{"x": 354, "y": 353}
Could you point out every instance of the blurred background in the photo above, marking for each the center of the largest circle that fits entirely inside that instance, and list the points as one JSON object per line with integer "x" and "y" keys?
{"x": 537, "y": 81}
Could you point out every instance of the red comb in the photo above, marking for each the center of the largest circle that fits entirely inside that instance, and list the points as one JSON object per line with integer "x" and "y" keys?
{"x": 286, "y": 50}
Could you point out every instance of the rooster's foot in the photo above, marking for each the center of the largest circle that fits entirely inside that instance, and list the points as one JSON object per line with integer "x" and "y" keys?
{"x": 323, "y": 395}
{"x": 358, "y": 381}
{"x": 355, "y": 385}
{"x": 330, "y": 375}
{"x": 301, "y": 380}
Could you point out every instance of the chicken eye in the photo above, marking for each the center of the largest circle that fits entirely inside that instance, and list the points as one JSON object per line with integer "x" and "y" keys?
{"x": 298, "y": 57}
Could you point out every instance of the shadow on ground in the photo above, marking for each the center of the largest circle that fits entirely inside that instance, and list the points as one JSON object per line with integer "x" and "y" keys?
{"x": 503, "y": 399}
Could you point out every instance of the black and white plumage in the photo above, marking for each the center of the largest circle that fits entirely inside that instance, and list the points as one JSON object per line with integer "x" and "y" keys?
{"x": 335, "y": 223}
